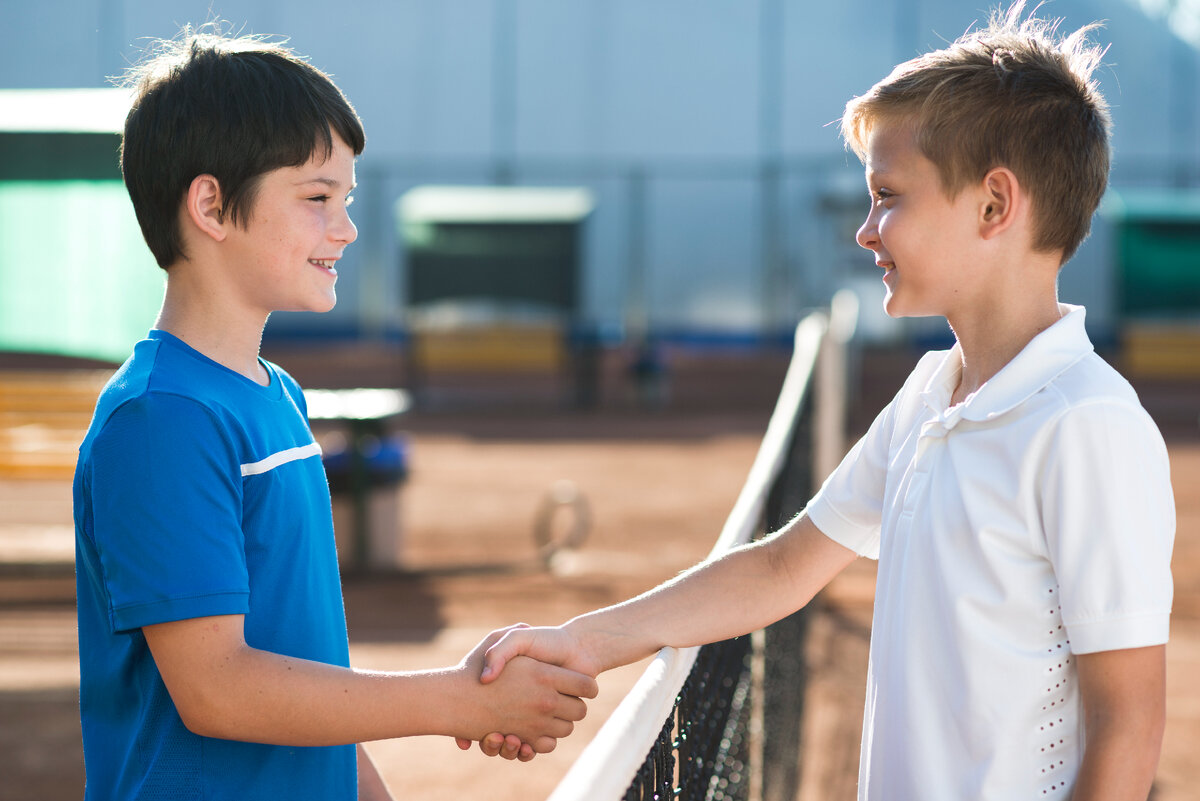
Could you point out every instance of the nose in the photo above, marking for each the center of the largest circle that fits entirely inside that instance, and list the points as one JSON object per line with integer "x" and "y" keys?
{"x": 868, "y": 232}
{"x": 343, "y": 229}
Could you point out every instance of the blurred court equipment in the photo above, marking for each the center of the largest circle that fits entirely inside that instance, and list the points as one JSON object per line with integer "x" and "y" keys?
{"x": 723, "y": 721}
{"x": 563, "y": 520}
{"x": 493, "y": 286}
{"x": 365, "y": 466}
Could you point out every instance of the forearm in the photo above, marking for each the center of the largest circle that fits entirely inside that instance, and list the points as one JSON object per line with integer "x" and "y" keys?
{"x": 1119, "y": 763}
{"x": 224, "y": 688}
{"x": 1124, "y": 705}
{"x": 270, "y": 698}
{"x": 746, "y": 589}
{"x": 370, "y": 784}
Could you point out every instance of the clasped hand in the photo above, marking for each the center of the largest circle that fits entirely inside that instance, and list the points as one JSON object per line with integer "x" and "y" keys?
{"x": 539, "y": 655}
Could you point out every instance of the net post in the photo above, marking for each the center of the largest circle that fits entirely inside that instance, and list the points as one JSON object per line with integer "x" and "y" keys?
{"x": 784, "y": 670}
{"x": 817, "y": 445}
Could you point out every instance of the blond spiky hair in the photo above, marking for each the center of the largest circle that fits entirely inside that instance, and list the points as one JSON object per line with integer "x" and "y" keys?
{"x": 1014, "y": 94}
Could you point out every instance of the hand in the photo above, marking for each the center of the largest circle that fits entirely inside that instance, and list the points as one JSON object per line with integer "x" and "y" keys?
{"x": 497, "y": 744}
{"x": 537, "y": 703}
{"x": 552, "y": 645}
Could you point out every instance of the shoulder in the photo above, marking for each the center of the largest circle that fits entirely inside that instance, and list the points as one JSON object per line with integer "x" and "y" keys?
{"x": 1092, "y": 394}
{"x": 1092, "y": 409}
{"x": 930, "y": 370}
{"x": 290, "y": 384}
{"x": 156, "y": 390}
{"x": 291, "y": 387}
{"x": 929, "y": 365}
{"x": 1093, "y": 379}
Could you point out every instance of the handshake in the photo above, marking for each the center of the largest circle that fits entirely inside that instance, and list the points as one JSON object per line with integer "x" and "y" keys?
{"x": 529, "y": 685}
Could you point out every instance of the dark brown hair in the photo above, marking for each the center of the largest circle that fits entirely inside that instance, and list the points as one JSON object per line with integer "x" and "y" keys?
{"x": 231, "y": 107}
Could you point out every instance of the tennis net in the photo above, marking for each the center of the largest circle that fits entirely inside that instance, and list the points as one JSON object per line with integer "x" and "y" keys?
{"x": 722, "y": 721}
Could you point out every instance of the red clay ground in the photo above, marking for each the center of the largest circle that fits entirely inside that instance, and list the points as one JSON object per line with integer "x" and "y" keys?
{"x": 659, "y": 485}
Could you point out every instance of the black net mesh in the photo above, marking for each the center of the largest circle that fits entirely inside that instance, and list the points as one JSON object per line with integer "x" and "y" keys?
{"x": 704, "y": 751}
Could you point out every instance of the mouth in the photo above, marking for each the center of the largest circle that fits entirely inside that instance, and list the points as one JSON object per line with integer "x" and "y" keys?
{"x": 325, "y": 264}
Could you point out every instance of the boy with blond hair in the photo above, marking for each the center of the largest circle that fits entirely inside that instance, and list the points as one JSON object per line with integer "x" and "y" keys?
{"x": 1015, "y": 493}
{"x": 214, "y": 661}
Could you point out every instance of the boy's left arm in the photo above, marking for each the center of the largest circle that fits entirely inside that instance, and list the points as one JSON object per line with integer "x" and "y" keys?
{"x": 370, "y": 783}
{"x": 1124, "y": 707}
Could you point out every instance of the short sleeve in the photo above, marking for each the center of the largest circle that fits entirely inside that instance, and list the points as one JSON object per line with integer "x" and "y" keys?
{"x": 1108, "y": 513}
{"x": 849, "y": 506}
{"x": 165, "y": 489}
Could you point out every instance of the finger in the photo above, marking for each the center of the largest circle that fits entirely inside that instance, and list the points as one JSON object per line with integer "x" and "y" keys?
{"x": 527, "y": 753}
{"x": 580, "y": 685}
{"x": 463, "y": 743}
{"x": 570, "y": 708}
{"x": 495, "y": 636}
{"x": 559, "y": 728}
{"x": 512, "y": 746}
{"x": 492, "y": 743}
{"x": 544, "y": 745}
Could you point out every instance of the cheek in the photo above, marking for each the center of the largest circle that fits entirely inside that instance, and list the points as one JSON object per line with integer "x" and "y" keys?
{"x": 889, "y": 227}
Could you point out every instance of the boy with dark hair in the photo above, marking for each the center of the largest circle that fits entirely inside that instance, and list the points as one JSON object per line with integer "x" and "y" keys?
{"x": 214, "y": 661}
{"x": 1015, "y": 493}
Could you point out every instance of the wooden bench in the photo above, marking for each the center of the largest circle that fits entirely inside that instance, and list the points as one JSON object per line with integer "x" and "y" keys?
{"x": 1161, "y": 349}
{"x": 44, "y": 415}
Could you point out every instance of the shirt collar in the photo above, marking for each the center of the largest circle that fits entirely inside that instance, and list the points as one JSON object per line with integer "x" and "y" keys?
{"x": 1041, "y": 361}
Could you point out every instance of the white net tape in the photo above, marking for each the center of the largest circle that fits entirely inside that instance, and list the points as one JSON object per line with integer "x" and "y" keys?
{"x": 608, "y": 765}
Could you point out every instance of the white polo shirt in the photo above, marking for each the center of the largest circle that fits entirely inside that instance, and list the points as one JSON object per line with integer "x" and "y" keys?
{"x": 1031, "y": 522}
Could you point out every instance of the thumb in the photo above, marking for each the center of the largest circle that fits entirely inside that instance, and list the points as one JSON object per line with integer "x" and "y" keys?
{"x": 497, "y": 656}
{"x": 493, "y": 665}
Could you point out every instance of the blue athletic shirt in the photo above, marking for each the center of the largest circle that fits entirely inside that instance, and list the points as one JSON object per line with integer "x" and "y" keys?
{"x": 199, "y": 492}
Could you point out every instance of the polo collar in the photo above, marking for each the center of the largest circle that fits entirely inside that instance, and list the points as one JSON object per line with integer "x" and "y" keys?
{"x": 1041, "y": 361}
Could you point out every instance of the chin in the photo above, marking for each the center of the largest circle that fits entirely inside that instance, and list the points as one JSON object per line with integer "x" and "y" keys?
{"x": 323, "y": 305}
{"x": 897, "y": 309}
{"x": 893, "y": 309}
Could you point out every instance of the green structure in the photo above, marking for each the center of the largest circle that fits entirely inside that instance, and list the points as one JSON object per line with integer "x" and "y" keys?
{"x": 510, "y": 247}
{"x": 76, "y": 278}
{"x": 1155, "y": 248}
{"x": 1156, "y": 239}
{"x": 494, "y": 283}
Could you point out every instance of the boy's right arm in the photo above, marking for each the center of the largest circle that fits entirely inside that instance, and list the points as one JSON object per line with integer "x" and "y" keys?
{"x": 224, "y": 688}
{"x": 742, "y": 591}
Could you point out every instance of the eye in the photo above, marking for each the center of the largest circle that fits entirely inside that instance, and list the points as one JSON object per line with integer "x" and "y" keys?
{"x": 882, "y": 195}
{"x": 319, "y": 198}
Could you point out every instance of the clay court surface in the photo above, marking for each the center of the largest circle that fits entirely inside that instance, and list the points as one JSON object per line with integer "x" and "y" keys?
{"x": 659, "y": 484}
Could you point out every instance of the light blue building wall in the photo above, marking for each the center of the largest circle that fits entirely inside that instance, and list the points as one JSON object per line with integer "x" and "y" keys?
{"x": 725, "y": 202}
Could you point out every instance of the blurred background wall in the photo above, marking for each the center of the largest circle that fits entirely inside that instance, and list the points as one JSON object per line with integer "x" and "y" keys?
{"x": 723, "y": 201}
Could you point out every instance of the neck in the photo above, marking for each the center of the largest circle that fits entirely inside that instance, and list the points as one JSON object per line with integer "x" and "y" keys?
{"x": 989, "y": 341}
{"x": 213, "y": 327}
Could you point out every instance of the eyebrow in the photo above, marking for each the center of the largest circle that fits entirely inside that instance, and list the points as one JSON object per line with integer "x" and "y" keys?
{"x": 332, "y": 183}
{"x": 878, "y": 175}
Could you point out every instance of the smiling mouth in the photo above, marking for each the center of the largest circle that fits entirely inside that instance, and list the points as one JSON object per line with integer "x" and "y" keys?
{"x": 325, "y": 264}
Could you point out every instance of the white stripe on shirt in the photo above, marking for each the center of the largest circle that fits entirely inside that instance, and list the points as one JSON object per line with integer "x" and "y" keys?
{"x": 281, "y": 458}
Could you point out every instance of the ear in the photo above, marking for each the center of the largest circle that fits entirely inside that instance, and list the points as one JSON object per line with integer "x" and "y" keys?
{"x": 1000, "y": 202}
{"x": 203, "y": 203}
